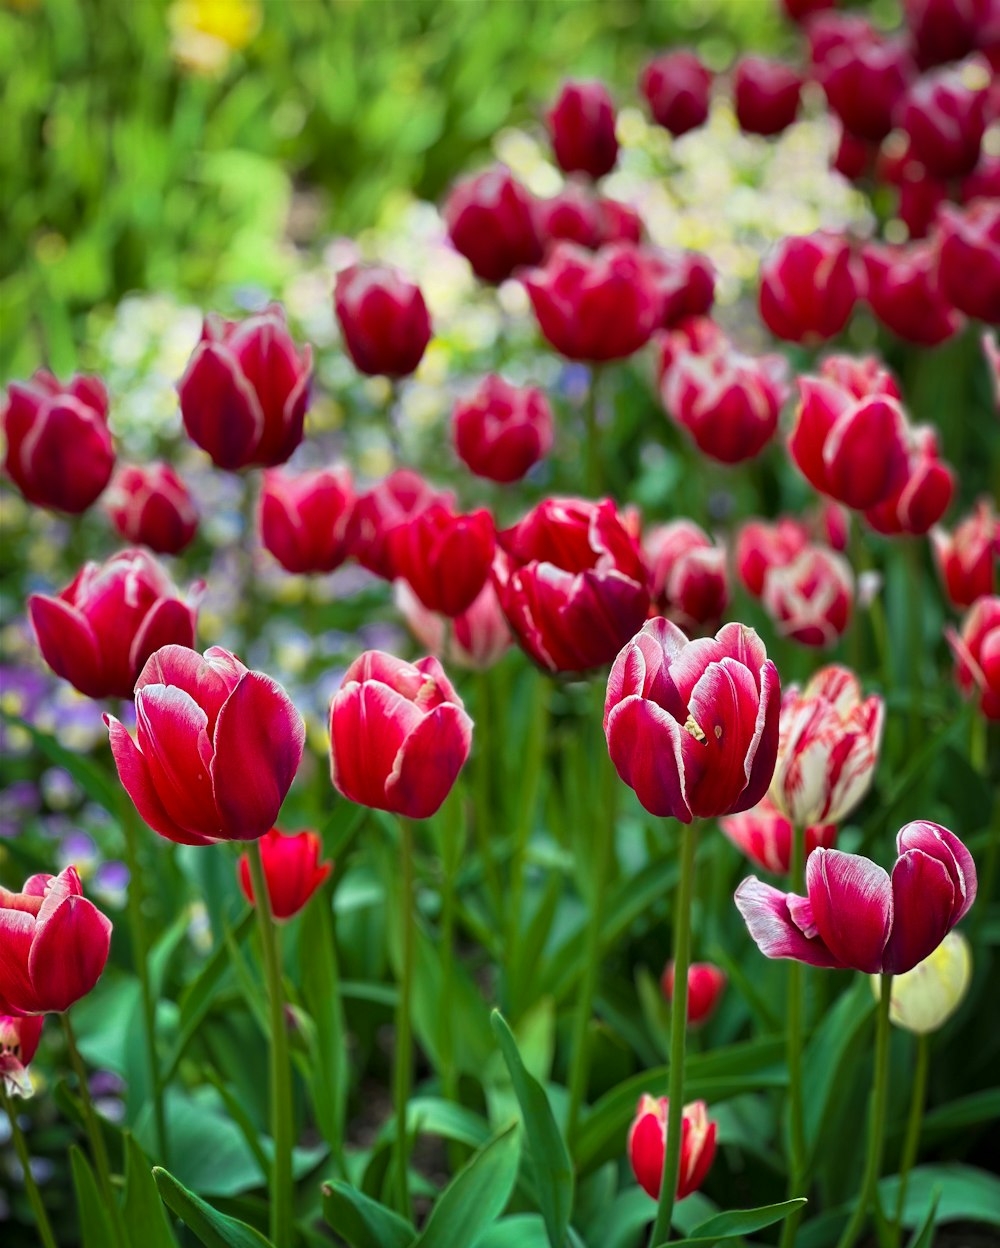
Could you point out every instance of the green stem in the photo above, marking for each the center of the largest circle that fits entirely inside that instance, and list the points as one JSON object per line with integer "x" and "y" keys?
{"x": 282, "y": 1190}
{"x": 876, "y": 1121}
{"x": 911, "y": 1141}
{"x": 248, "y": 578}
{"x": 796, "y": 994}
{"x": 678, "y": 1035}
{"x": 482, "y": 792}
{"x": 47, "y": 1239}
{"x": 403, "y": 1072}
{"x": 392, "y": 422}
{"x": 451, "y": 857}
{"x": 593, "y": 435}
{"x": 93, "y": 1128}
{"x": 915, "y": 616}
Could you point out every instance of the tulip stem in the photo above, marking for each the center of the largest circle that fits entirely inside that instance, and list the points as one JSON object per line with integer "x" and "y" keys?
{"x": 403, "y": 1071}
{"x": 914, "y": 1123}
{"x": 44, "y": 1227}
{"x": 248, "y": 580}
{"x": 592, "y": 427}
{"x": 876, "y": 1121}
{"x": 796, "y": 993}
{"x": 481, "y": 792}
{"x": 678, "y": 1036}
{"x": 93, "y": 1128}
{"x": 282, "y": 1189}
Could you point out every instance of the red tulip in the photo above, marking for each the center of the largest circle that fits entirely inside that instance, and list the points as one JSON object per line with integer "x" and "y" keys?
{"x": 376, "y": 513}
{"x": 766, "y": 95}
{"x": 977, "y": 654}
{"x": 860, "y": 376}
{"x": 764, "y": 835}
{"x": 571, "y": 583}
{"x": 800, "y": 10}
{"x": 945, "y": 120}
{"x": 571, "y": 216}
{"x": 905, "y": 293}
{"x": 706, "y": 984}
{"x": 444, "y": 556}
{"x": 100, "y": 630}
{"x": 399, "y": 735}
{"x": 292, "y": 870}
{"x": 595, "y": 307}
{"x": 854, "y": 157}
{"x": 55, "y": 944}
{"x": 304, "y": 519}
{"x": 810, "y": 599}
{"x": 617, "y": 222}
{"x": 920, "y": 502}
{"x": 762, "y": 545}
{"x": 19, "y": 1037}
{"x": 967, "y": 559}
{"x": 676, "y": 86}
{"x": 59, "y": 452}
{"x": 217, "y": 747}
{"x": 692, "y": 726}
{"x": 920, "y": 201}
{"x": 647, "y": 1143}
{"x": 245, "y": 390}
{"x": 501, "y": 430}
{"x": 151, "y": 506}
{"x": 476, "y": 639}
{"x": 857, "y": 916}
{"x": 969, "y": 257}
{"x": 941, "y": 30}
{"x": 684, "y": 282}
{"x": 808, "y": 287}
{"x": 689, "y": 583}
{"x": 582, "y": 128}
{"x": 383, "y": 318}
{"x": 833, "y": 524}
{"x": 491, "y": 221}
{"x": 863, "y": 74}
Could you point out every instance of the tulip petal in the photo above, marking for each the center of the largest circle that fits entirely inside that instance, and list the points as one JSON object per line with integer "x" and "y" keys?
{"x": 939, "y": 843}
{"x": 221, "y": 411}
{"x": 172, "y": 735}
{"x": 68, "y": 644}
{"x": 368, "y": 724}
{"x": 68, "y": 953}
{"x": 923, "y": 897}
{"x": 17, "y": 929}
{"x": 851, "y": 900}
{"x": 209, "y": 679}
{"x": 644, "y": 742}
{"x": 429, "y": 761}
{"x": 646, "y": 1148}
{"x": 724, "y": 707}
{"x": 168, "y": 622}
{"x": 763, "y": 748}
{"x": 766, "y": 912}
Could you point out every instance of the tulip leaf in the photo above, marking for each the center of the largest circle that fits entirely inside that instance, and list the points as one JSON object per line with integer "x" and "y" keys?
{"x": 92, "y": 1216}
{"x": 523, "y": 1230}
{"x": 361, "y": 1221}
{"x": 476, "y": 1197}
{"x": 924, "y": 1237}
{"x": 965, "y": 1193}
{"x": 213, "y": 1229}
{"x": 145, "y": 1221}
{"x": 967, "y": 1111}
{"x": 328, "y": 1069}
{"x": 548, "y": 1156}
{"x": 735, "y": 1222}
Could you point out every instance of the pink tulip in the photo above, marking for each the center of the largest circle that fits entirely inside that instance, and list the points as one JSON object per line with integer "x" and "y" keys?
{"x": 684, "y": 282}
{"x": 762, "y": 545}
{"x": 944, "y": 119}
{"x": 151, "y": 506}
{"x": 19, "y": 1037}
{"x": 647, "y": 1143}
{"x": 808, "y": 287}
{"x": 967, "y": 559}
{"x": 904, "y": 291}
{"x": 923, "y": 498}
{"x": 706, "y": 984}
{"x": 477, "y": 638}
{"x": 304, "y": 518}
{"x": 764, "y": 835}
{"x": 976, "y": 647}
{"x": 383, "y": 318}
{"x": 676, "y": 86}
{"x": 491, "y": 221}
{"x": 811, "y": 598}
{"x": 581, "y": 125}
{"x": 444, "y": 556}
{"x": 501, "y": 430}
{"x": 397, "y": 498}
{"x": 969, "y": 258}
{"x": 688, "y": 578}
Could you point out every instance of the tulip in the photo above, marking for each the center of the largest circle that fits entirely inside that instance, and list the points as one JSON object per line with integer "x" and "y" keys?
{"x": 856, "y": 916}
{"x": 55, "y": 944}
{"x": 944, "y": 120}
{"x": 19, "y": 1037}
{"x": 647, "y": 1143}
{"x": 920, "y": 502}
{"x": 99, "y": 631}
{"x": 59, "y": 452}
{"x": 828, "y": 748}
{"x": 571, "y": 216}
{"x": 582, "y": 128}
{"x": 617, "y": 222}
{"x": 399, "y": 735}
{"x": 808, "y": 287}
{"x": 572, "y": 583}
{"x": 801, "y": 10}
{"x": 764, "y": 835}
{"x": 922, "y": 1000}
{"x": 810, "y": 599}
{"x": 304, "y": 519}
{"x": 976, "y": 648}
{"x": 245, "y": 390}
{"x": 766, "y": 95}
{"x": 692, "y": 726}
{"x": 967, "y": 559}
{"x": 688, "y": 580}
{"x": 860, "y": 376}
{"x": 941, "y": 30}
{"x": 376, "y": 513}
{"x": 853, "y": 157}
{"x": 383, "y": 319}
{"x": 920, "y": 201}
{"x": 216, "y": 751}
{"x": 292, "y": 870}
{"x": 969, "y": 258}
{"x": 502, "y": 430}
{"x": 832, "y": 33}
{"x": 762, "y": 545}
{"x": 594, "y": 307}
{"x": 445, "y": 557}
{"x": 676, "y": 87}
{"x": 906, "y": 295}
{"x": 864, "y": 76}
{"x": 684, "y": 282}
{"x": 151, "y": 506}
{"x": 706, "y": 983}
{"x": 833, "y": 524}
{"x": 491, "y": 221}
{"x": 476, "y": 639}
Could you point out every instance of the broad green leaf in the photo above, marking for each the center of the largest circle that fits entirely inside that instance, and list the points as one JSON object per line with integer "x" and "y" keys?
{"x": 476, "y": 1197}
{"x": 328, "y": 1069}
{"x": 213, "y": 1229}
{"x": 145, "y": 1221}
{"x": 361, "y": 1221}
{"x": 523, "y": 1230}
{"x": 965, "y": 1194}
{"x": 735, "y": 1222}
{"x": 92, "y": 1216}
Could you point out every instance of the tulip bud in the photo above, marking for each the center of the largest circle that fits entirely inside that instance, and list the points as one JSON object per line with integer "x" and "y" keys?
{"x": 688, "y": 577}
{"x": 766, "y": 95}
{"x": 245, "y": 391}
{"x": 920, "y": 502}
{"x": 378, "y": 511}
{"x": 764, "y": 835}
{"x": 151, "y": 506}
{"x": 977, "y": 654}
{"x": 19, "y": 1037}
{"x": 944, "y": 119}
{"x": 969, "y": 259}
{"x": 491, "y": 221}
{"x": 864, "y": 76}
{"x": 582, "y": 128}
{"x": 905, "y": 293}
{"x": 762, "y": 545}
{"x": 399, "y": 735}
{"x": 810, "y": 599}
{"x": 476, "y": 639}
{"x": 967, "y": 559}
{"x": 922, "y": 1000}
{"x": 100, "y": 630}
{"x": 304, "y": 519}
{"x": 292, "y": 870}
{"x": 706, "y": 984}
{"x": 647, "y": 1144}
{"x": 676, "y": 86}
{"x": 501, "y": 430}
{"x": 941, "y": 30}
{"x": 59, "y": 452}
{"x": 383, "y": 318}
{"x": 445, "y": 557}
{"x": 808, "y": 287}
{"x": 684, "y": 282}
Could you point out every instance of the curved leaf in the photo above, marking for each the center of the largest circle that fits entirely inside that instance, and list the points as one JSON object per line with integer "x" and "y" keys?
{"x": 213, "y": 1229}
{"x": 361, "y": 1221}
{"x": 476, "y": 1197}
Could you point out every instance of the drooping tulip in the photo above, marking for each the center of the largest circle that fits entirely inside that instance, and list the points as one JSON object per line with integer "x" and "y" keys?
{"x": 923, "y": 498}
{"x": 151, "y": 506}
{"x": 676, "y": 86}
{"x": 810, "y": 598}
{"x": 647, "y": 1143}
{"x": 19, "y": 1037}
{"x": 304, "y": 518}
{"x": 922, "y": 1000}
{"x": 976, "y": 647}
{"x": 444, "y": 556}
{"x": 501, "y": 430}
{"x": 764, "y": 835}
{"x": 582, "y": 127}
{"x": 376, "y": 512}
{"x": 765, "y": 95}
{"x": 808, "y": 287}
{"x": 688, "y": 579}
{"x": 383, "y": 318}
{"x": 905, "y": 293}
{"x": 292, "y": 870}
{"x": 706, "y": 984}
{"x": 491, "y": 221}
{"x": 967, "y": 558}
{"x": 476, "y": 639}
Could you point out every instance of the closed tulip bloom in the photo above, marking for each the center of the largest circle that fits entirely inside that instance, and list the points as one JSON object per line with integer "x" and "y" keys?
{"x": 491, "y": 221}
{"x": 905, "y": 292}
{"x": 647, "y": 1143}
{"x": 376, "y": 512}
{"x": 501, "y": 430}
{"x": 922, "y": 1000}
{"x": 967, "y": 558}
{"x": 383, "y": 318}
{"x": 808, "y": 287}
{"x": 292, "y": 870}
{"x": 59, "y": 452}
{"x": 572, "y": 583}
{"x": 571, "y": 215}
{"x": 19, "y": 1037}
{"x": 676, "y": 86}
{"x": 444, "y": 556}
{"x": 944, "y": 119}
{"x": 617, "y": 222}
{"x": 977, "y": 655}
{"x": 765, "y": 94}
{"x": 151, "y": 506}
{"x": 99, "y": 631}
{"x": 593, "y": 306}
{"x": 969, "y": 259}
{"x": 764, "y": 835}
{"x": 216, "y": 749}
{"x": 856, "y": 915}
{"x": 941, "y": 30}
{"x": 865, "y": 75}
{"x": 692, "y": 726}
{"x": 476, "y": 639}
{"x": 399, "y": 735}
{"x": 304, "y": 518}
{"x": 582, "y": 128}
{"x": 810, "y": 599}
{"x": 245, "y": 390}
{"x": 762, "y": 545}
{"x": 920, "y": 502}
{"x": 684, "y": 282}
{"x": 55, "y": 944}
{"x": 706, "y": 984}
{"x": 688, "y": 578}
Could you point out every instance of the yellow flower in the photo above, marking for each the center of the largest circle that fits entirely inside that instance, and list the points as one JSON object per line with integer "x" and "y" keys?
{"x": 923, "y": 999}
{"x": 205, "y": 32}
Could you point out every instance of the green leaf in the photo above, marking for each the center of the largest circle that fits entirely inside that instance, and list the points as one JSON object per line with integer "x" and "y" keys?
{"x": 321, "y": 992}
{"x": 214, "y": 1229}
{"x": 548, "y": 1156}
{"x": 145, "y": 1221}
{"x": 924, "y": 1237}
{"x": 736, "y": 1222}
{"x": 95, "y": 1225}
{"x": 967, "y": 1111}
{"x": 966, "y": 1194}
{"x": 361, "y": 1221}
{"x": 523, "y": 1230}
{"x": 476, "y": 1196}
